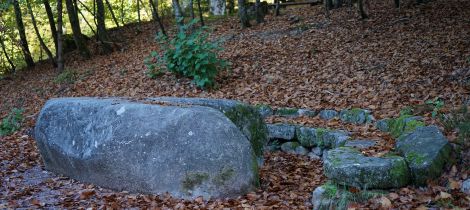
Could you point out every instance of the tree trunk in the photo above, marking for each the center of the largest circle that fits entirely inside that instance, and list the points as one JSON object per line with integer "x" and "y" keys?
{"x": 112, "y": 13}
{"x": 93, "y": 13}
{"x": 60, "y": 50}
{"x": 217, "y": 7}
{"x": 178, "y": 15}
{"x": 242, "y": 13}
{"x": 87, "y": 23}
{"x": 102, "y": 33}
{"x": 77, "y": 33}
{"x": 278, "y": 7}
{"x": 13, "y": 68}
{"x": 122, "y": 12}
{"x": 138, "y": 15}
{"x": 156, "y": 18}
{"x": 24, "y": 42}
{"x": 259, "y": 15}
{"x": 363, "y": 8}
{"x": 50, "y": 16}
{"x": 231, "y": 6}
{"x": 41, "y": 41}
{"x": 200, "y": 12}
{"x": 191, "y": 8}
{"x": 397, "y": 3}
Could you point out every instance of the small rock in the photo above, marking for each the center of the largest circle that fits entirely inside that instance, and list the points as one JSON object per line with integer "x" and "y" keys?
{"x": 294, "y": 19}
{"x": 287, "y": 112}
{"x": 301, "y": 150}
{"x": 306, "y": 112}
{"x": 313, "y": 156}
{"x": 290, "y": 147}
{"x": 334, "y": 139}
{"x": 328, "y": 114}
{"x": 466, "y": 187}
{"x": 347, "y": 166}
{"x": 317, "y": 151}
{"x": 307, "y": 136}
{"x": 281, "y": 131}
{"x": 382, "y": 125}
{"x": 360, "y": 144}
{"x": 426, "y": 151}
{"x": 356, "y": 116}
{"x": 320, "y": 199}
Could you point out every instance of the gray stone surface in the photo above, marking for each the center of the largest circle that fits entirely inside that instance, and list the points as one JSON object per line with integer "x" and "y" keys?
{"x": 307, "y": 136}
{"x": 383, "y": 125}
{"x": 360, "y": 143}
{"x": 317, "y": 151}
{"x": 287, "y": 112}
{"x": 301, "y": 150}
{"x": 348, "y": 166}
{"x": 333, "y": 139}
{"x": 466, "y": 187}
{"x": 313, "y": 156}
{"x": 426, "y": 150}
{"x": 242, "y": 115}
{"x": 290, "y": 147}
{"x": 186, "y": 151}
{"x": 306, "y": 112}
{"x": 321, "y": 200}
{"x": 328, "y": 114}
{"x": 281, "y": 131}
{"x": 357, "y": 116}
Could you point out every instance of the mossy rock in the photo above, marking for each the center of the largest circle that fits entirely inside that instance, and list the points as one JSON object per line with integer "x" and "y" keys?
{"x": 426, "y": 151}
{"x": 347, "y": 166}
{"x": 264, "y": 110}
{"x": 356, "y": 116}
{"x": 404, "y": 124}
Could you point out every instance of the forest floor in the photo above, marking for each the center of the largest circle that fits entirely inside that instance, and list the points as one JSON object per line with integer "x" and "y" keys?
{"x": 394, "y": 59}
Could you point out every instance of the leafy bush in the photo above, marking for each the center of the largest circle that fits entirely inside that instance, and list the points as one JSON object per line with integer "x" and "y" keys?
{"x": 12, "y": 122}
{"x": 66, "y": 77}
{"x": 188, "y": 54}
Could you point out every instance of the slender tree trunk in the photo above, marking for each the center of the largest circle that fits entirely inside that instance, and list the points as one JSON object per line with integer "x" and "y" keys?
{"x": 156, "y": 18}
{"x": 87, "y": 23}
{"x": 278, "y": 7}
{"x": 200, "y": 12}
{"x": 112, "y": 13}
{"x": 50, "y": 17}
{"x": 191, "y": 9}
{"x": 243, "y": 14}
{"x": 41, "y": 41}
{"x": 363, "y": 8}
{"x": 93, "y": 13}
{"x": 13, "y": 68}
{"x": 397, "y": 3}
{"x": 231, "y": 6}
{"x": 102, "y": 33}
{"x": 138, "y": 15}
{"x": 24, "y": 42}
{"x": 122, "y": 12}
{"x": 60, "y": 49}
{"x": 77, "y": 33}
{"x": 259, "y": 15}
{"x": 178, "y": 15}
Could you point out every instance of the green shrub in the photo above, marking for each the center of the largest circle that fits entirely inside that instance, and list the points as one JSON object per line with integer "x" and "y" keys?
{"x": 188, "y": 54}
{"x": 12, "y": 122}
{"x": 68, "y": 76}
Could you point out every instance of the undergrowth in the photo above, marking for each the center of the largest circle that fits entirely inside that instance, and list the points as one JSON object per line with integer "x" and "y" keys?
{"x": 12, "y": 122}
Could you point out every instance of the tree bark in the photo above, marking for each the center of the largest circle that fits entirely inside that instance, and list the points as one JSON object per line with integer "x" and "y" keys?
{"x": 93, "y": 13}
{"x": 178, "y": 15}
{"x": 112, "y": 13}
{"x": 200, "y": 12}
{"x": 156, "y": 18}
{"x": 259, "y": 15}
{"x": 102, "y": 33}
{"x": 231, "y": 6}
{"x": 242, "y": 13}
{"x": 50, "y": 16}
{"x": 41, "y": 41}
{"x": 138, "y": 15}
{"x": 191, "y": 9}
{"x": 13, "y": 68}
{"x": 60, "y": 49}
{"x": 77, "y": 33}
{"x": 87, "y": 23}
{"x": 278, "y": 7}
{"x": 24, "y": 42}
{"x": 397, "y": 3}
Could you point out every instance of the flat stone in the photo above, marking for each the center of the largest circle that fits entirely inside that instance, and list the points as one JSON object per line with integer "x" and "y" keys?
{"x": 188, "y": 151}
{"x": 306, "y": 112}
{"x": 347, "y": 166}
{"x": 328, "y": 114}
{"x": 426, "y": 151}
{"x": 317, "y": 151}
{"x": 264, "y": 110}
{"x": 290, "y": 147}
{"x": 301, "y": 150}
{"x": 360, "y": 144}
{"x": 356, "y": 116}
{"x": 313, "y": 156}
{"x": 281, "y": 131}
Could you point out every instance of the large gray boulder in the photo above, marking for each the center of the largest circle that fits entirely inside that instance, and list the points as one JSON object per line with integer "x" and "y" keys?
{"x": 188, "y": 151}
{"x": 348, "y": 166}
{"x": 245, "y": 117}
{"x": 426, "y": 150}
